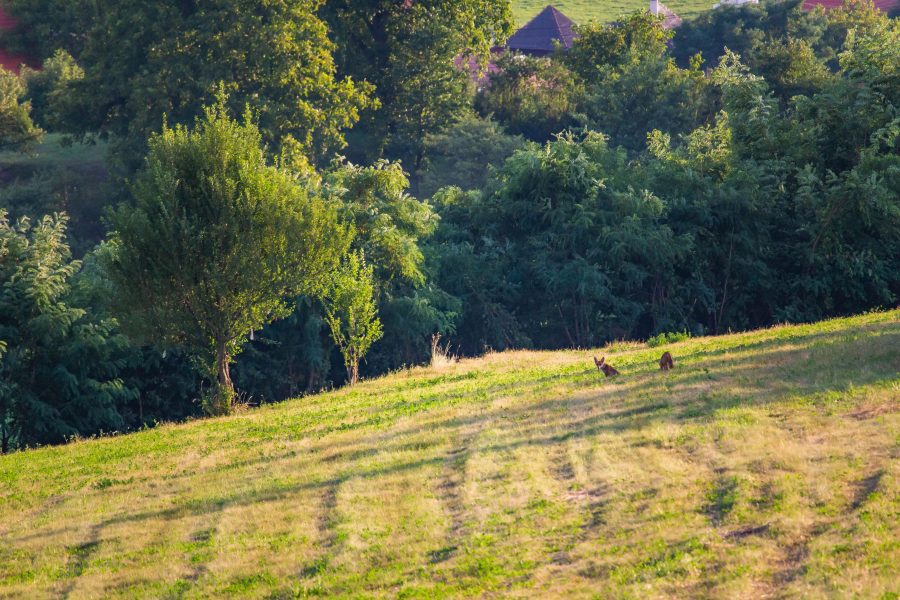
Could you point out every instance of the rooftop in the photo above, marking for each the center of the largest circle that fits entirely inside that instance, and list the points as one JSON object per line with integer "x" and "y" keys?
{"x": 541, "y": 34}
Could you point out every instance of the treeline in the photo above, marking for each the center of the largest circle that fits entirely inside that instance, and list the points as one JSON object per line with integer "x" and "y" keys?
{"x": 744, "y": 172}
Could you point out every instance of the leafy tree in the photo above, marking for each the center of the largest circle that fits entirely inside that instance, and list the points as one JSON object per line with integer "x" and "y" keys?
{"x": 143, "y": 60}
{"x": 59, "y": 375}
{"x": 48, "y": 90}
{"x": 583, "y": 256}
{"x": 632, "y": 86}
{"x": 17, "y": 131}
{"x": 533, "y": 97}
{"x": 387, "y": 220}
{"x": 790, "y": 67}
{"x": 409, "y": 51}
{"x": 165, "y": 382}
{"x": 391, "y": 228}
{"x": 633, "y": 37}
{"x": 351, "y": 313}
{"x": 216, "y": 242}
{"x": 297, "y": 355}
{"x": 45, "y": 26}
{"x": 742, "y": 28}
{"x": 465, "y": 153}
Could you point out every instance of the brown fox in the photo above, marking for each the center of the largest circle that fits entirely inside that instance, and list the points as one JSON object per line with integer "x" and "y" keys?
{"x": 605, "y": 368}
{"x": 666, "y": 362}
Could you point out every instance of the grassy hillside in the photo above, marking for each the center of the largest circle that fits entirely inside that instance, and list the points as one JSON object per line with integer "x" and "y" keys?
{"x": 582, "y": 11}
{"x": 765, "y": 465}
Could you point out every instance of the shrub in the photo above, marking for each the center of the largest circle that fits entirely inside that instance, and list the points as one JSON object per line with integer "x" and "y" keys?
{"x": 668, "y": 338}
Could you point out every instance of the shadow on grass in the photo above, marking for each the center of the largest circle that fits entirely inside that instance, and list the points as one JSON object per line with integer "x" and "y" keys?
{"x": 539, "y": 424}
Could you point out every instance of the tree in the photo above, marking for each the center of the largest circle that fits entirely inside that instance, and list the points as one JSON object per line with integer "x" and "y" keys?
{"x": 295, "y": 355}
{"x": 48, "y": 90}
{"x": 410, "y": 51}
{"x": 563, "y": 248}
{"x": 532, "y": 97}
{"x": 633, "y": 37}
{"x": 45, "y": 26}
{"x": 59, "y": 376}
{"x": 465, "y": 154}
{"x": 216, "y": 242}
{"x": 632, "y": 85}
{"x": 17, "y": 131}
{"x": 143, "y": 60}
{"x": 351, "y": 313}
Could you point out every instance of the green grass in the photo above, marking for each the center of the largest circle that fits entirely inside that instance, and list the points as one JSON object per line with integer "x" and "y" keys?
{"x": 583, "y": 11}
{"x": 52, "y": 152}
{"x": 765, "y": 464}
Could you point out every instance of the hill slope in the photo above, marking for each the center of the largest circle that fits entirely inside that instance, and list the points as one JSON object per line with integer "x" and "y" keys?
{"x": 765, "y": 464}
{"x": 582, "y": 11}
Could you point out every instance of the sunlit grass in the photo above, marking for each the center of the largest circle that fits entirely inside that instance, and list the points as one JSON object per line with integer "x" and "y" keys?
{"x": 583, "y": 11}
{"x": 764, "y": 465}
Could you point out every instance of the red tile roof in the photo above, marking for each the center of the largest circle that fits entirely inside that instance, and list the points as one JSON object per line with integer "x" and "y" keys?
{"x": 883, "y": 5}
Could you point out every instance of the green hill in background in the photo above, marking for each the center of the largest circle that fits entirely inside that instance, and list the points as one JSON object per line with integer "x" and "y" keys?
{"x": 582, "y": 11}
{"x": 765, "y": 464}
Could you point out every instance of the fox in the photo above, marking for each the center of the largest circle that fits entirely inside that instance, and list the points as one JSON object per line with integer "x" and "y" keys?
{"x": 605, "y": 368}
{"x": 666, "y": 362}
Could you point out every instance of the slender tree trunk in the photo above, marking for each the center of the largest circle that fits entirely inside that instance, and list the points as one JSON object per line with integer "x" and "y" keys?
{"x": 4, "y": 440}
{"x": 225, "y": 387}
{"x": 353, "y": 368}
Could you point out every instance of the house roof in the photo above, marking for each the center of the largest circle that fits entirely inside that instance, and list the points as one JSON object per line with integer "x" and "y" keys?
{"x": 540, "y": 33}
{"x": 883, "y": 5}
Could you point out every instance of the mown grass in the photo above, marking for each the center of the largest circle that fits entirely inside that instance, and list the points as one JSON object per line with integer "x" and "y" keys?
{"x": 764, "y": 465}
{"x": 583, "y": 11}
{"x": 54, "y": 152}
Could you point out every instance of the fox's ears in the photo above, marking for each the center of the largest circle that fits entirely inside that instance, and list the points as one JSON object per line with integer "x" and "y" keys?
{"x": 601, "y": 361}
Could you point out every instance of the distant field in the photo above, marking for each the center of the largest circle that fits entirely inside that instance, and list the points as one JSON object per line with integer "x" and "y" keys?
{"x": 52, "y": 152}
{"x": 582, "y": 11}
{"x": 765, "y": 465}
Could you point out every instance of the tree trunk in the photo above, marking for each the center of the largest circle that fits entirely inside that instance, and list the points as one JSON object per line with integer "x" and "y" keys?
{"x": 353, "y": 369}
{"x": 225, "y": 388}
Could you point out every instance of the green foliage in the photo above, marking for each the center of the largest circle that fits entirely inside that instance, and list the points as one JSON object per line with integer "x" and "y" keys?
{"x": 408, "y": 51}
{"x": 17, "y": 131}
{"x": 216, "y": 241}
{"x": 54, "y": 177}
{"x": 59, "y": 374}
{"x": 45, "y": 26}
{"x": 532, "y": 97}
{"x": 777, "y": 209}
{"x": 464, "y": 154}
{"x": 296, "y": 355}
{"x": 146, "y": 60}
{"x": 668, "y": 338}
{"x": 792, "y": 48}
{"x": 165, "y": 383}
{"x": 632, "y": 84}
{"x": 632, "y": 37}
{"x": 351, "y": 313}
{"x": 387, "y": 220}
{"x": 48, "y": 90}
{"x": 578, "y": 253}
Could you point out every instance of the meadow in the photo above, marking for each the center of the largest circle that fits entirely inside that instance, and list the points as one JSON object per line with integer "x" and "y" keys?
{"x": 764, "y": 465}
{"x": 582, "y": 11}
